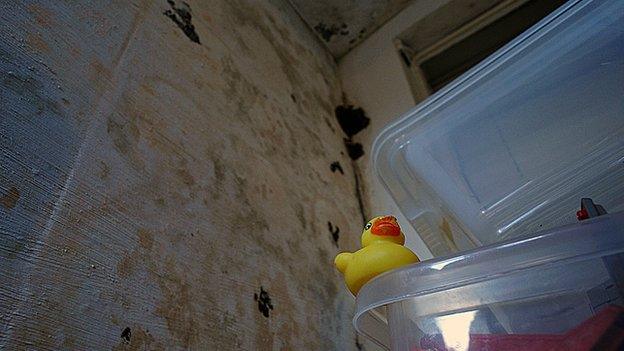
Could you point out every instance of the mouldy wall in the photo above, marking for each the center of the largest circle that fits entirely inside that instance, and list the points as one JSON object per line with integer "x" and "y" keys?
{"x": 383, "y": 91}
{"x": 160, "y": 164}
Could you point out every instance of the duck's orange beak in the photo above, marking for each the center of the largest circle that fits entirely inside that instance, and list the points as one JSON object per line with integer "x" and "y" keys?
{"x": 386, "y": 226}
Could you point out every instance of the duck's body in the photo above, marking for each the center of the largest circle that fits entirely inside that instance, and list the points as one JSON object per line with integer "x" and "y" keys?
{"x": 368, "y": 262}
{"x": 382, "y": 251}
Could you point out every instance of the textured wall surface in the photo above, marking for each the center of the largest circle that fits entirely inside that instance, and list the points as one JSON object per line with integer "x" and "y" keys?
{"x": 164, "y": 171}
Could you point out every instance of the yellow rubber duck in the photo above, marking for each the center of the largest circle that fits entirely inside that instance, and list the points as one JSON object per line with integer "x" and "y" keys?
{"x": 382, "y": 250}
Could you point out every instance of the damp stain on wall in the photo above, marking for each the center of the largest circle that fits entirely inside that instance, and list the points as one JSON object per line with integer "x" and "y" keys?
{"x": 9, "y": 200}
{"x": 180, "y": 14}
{"x": 342, "y": 25}
{"x": 31, "y": 90}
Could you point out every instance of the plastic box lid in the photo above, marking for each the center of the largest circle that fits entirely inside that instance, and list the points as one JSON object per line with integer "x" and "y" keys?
{"x": 513, "y": 144}
{"x": 549, "y": 263}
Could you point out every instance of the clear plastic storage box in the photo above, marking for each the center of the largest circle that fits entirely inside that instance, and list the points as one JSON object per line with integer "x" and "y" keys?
{"x": 512, "y": 145}
{"x": 558, "y": 290}
{"x": 490, "y": 171}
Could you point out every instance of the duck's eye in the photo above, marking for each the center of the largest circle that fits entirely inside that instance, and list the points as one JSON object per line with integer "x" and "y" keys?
{"x": 368, "y": 225}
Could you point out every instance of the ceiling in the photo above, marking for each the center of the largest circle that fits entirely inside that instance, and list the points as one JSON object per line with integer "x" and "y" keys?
{"x": 343, "y": 24}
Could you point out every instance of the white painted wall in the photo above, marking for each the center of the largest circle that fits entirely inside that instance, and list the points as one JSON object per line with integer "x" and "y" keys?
{"x": 373, "y": 78}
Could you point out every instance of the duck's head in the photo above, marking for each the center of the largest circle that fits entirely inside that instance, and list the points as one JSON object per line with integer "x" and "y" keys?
{"x": 382, "y": 228}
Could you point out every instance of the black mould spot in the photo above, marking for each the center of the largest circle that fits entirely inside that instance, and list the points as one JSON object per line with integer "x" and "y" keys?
{"x": 358, "y": 195}
{"x": 181, "y": 16}
{"x": 406, "y": 59}
{"x": 335, "y": 232}
{"x": 358, "y": 346}
{"x": 355, "y": 150}
{"x": 126, "y": 334}
{"x": 327, "y": 32}
{"x": 293, "y": 97}
{"x": 352, "y": 120}
{"x": 352, "y": 41}
{"x": 335, "y": 166}
{"x": 264, "y": 302}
